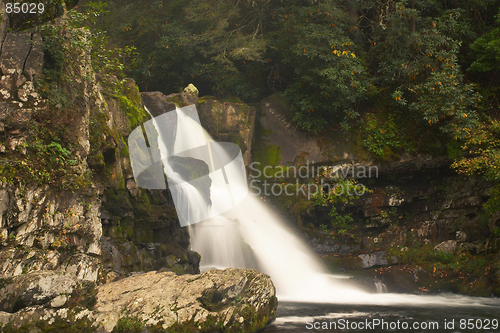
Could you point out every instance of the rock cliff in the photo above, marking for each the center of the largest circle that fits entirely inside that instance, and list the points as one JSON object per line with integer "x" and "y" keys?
{"x": 72, "y": 217}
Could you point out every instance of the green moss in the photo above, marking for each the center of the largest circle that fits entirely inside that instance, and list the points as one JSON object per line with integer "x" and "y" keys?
{"x": 237, "y": 139}
{"x": 176, "y": 99}
{"x": 128, "y": 325}
{"x": 117, "y": 201}
{"x": 101, "y": 136}
{"x": 124, "y": 149}
{"x": 135, "y": 115}
{"x": 235, "y": 100}
{"x": 141, "y": 205}
{"x": 206, "y": 98}
{"x": 267, "y": 155}
{"x": 132, "y": 92}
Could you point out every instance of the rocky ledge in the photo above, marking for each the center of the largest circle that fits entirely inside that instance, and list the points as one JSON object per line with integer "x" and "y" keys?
{"x": 232, "y": 300}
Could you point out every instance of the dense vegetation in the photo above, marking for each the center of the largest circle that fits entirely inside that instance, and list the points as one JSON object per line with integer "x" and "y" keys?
{"x": 431, "y": 62}
{"x": 409, "y": 76}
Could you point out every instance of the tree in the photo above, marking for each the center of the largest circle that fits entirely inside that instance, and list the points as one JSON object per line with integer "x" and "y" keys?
{"x": 329, "y": 76}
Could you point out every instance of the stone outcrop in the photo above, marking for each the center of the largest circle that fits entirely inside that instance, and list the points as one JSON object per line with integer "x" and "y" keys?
{"x": 376, "y": 259}
{"x": 233, "y": 300}
{"x": 281, "y": 139}
{"x": 238, "y": 300}
{"x": 43, "y": 227}
{"x": 4, "y": 22}
{"x": 231, "y": 121}
{"x": 72, "y": 217}
{"x": 35, "y": 289}
{"x": 225, "y": 121}
{"x": 16, "y": 48}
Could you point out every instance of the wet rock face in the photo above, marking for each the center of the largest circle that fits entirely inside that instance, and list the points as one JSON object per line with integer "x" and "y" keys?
{"x": 232, "y": 300}
{"x": 225, "y": 121}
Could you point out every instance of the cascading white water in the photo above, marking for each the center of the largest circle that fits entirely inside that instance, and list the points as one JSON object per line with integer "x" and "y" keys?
{"x": 250, "y": 235}
{"x": 247, "y": 236}
{"x": 381, "y": 287}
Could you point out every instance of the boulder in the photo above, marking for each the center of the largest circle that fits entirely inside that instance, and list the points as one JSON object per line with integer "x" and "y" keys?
{"x": 232, "y": 300}
{"x": 240, "y": 299}
{"x": 375, "y": 259}
{"x": 192, "y": 92}
{"x": 448, "y": 246}
{"x": 157, "y": 103}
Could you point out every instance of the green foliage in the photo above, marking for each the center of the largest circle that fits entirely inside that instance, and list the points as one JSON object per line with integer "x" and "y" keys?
{"x": 464, "y": 263}
{"x": 380, "y": 135}
{"x": 329, "y": 76}
{"x": 481, "y": 155}
{"x": 128, "y": 325}
{"x": 65, "y": 49}
{"x": 334, "y": 61}
{"x": 212, "y": 43}
{"x": 44, "y": 164}
{"x": 482, "y": 146}
{"x": 342, "y": 223}
{"x": 418, "y": 61}
{"x": 487, "y": 48}
{"x": 51, "y": 10}
{"x": 73, "y": 51}
{"x": 443, "y": 97}
{"x": 343, "y": 191}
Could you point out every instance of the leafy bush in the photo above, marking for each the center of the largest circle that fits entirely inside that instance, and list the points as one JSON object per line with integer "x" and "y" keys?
{"x": 380, "y": 135}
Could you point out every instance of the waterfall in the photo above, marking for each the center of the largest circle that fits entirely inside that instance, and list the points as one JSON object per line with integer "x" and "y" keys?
{"x": 249, "y": 235}
{"x": 381, "y": 287}
{"x": 294, "y": 268}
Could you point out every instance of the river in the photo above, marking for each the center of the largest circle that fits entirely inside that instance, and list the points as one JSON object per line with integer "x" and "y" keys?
{"x": 481, "y": 315}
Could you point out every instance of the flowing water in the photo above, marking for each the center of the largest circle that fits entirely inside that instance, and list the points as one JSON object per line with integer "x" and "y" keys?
{"x": 251, "y": 235}
{"x": 480, "y": 315}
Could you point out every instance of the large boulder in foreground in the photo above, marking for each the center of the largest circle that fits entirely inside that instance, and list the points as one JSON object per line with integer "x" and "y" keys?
{"x": 231, "y": 300}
